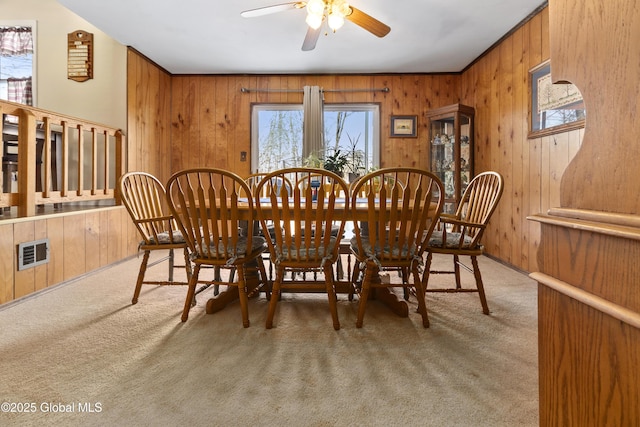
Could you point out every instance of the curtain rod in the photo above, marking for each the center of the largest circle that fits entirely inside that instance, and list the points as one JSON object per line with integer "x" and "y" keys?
{"x": 247, "y": 90}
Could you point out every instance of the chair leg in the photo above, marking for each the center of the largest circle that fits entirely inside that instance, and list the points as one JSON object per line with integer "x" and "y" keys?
{"x": 187, "y": 263}
{"x": 355, "y": 275}
{"x": 331, "y": 294}
{"x": 420, "y": 296}
{"x": 143, "y": 269}
{"x": 427, "y": 271}
{"x": 171, "y": 264}
{"x": 404, "y": 275}
{"x": 364, "y": 294}
{"x": 242, "y": 294}
{"x": 456, "y": 270}
{"x": 479, "y": 285}
{"x": 340, "y": 268}
{"x": 193, "y": 281}
{"x": 263, "y": 275}
{"x": 216, "y": 276}
{"x": 275, "y": 295}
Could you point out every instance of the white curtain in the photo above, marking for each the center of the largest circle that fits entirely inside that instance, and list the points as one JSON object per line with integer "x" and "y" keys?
{"x": 15, "y": 41}
{"x": 20, "y": 91}
{"x": 313, "y": 126}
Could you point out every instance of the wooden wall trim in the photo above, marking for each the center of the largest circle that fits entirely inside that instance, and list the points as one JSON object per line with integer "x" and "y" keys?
{"x": 616, "y": 311}
{"x": 598, "y": 216}
{"x": 4, "y": 221}
{"x": 607, "y": 228}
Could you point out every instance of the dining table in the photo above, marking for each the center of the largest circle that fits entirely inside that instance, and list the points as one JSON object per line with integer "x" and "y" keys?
{"x": 361, "y": 213}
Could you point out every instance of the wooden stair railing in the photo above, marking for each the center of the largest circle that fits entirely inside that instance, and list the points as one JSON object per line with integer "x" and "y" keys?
{"x": 74, "y": 139}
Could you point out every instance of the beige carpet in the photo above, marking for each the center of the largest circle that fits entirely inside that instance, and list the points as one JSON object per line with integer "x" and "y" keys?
{"x": 83, "y": 346}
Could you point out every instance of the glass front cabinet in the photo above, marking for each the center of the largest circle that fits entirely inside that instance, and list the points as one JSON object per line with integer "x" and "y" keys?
{"x": 451, "y": 150}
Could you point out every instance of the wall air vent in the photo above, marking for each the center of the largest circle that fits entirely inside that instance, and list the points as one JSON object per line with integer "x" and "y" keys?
{"x": 32, "y": 254}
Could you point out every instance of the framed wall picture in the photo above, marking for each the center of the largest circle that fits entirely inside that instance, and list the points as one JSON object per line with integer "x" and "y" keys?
{"x": 404, "y": 126}
{"x": 555, "y": 107}
{"x": 80, "y": 56}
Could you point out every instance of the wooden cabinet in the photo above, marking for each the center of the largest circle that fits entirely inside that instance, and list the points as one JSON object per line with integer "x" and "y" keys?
{"x": 451, "y": 150}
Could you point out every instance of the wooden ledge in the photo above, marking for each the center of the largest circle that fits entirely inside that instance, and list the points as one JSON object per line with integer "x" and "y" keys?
{"x": 616, "y": 311}
{"x": 613, "y": 224}
{"x": 598, "y": 216}
{"x": 6, "y": 219}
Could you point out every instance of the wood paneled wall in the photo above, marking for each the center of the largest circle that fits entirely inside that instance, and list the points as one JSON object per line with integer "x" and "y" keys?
{"x": 79, "y": 243}
{"x": 210, "y": 116}
{"x": 497, "y": 85}
{"x": 148, "y": 116}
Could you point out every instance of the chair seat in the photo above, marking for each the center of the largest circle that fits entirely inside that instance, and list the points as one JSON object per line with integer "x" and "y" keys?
{"x": 303, "y": 253}
{"x": 244, "y": 246}
{"x": 165, "y": 238}
{"x": 452, "y": 241}
{"x": 386, "y": 252}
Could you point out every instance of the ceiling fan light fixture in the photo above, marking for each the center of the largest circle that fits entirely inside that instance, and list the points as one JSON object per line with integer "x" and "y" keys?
{"x": 314, "y": 21}
{"x": 315, "y": 7}
{"x": 341, "y": 7}
{"x": 334, "y": 11}
{"x": 335, "y": 21}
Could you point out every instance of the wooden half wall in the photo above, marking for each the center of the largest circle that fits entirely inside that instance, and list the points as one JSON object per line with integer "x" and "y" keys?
{"x": 589, "y": 275}
{"x": 79, "y": 242}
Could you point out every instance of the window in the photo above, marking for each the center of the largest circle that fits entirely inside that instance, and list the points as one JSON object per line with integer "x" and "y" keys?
{"x": 276, "y": 137}
{"x": 17, "y": 61}
{"x": 555, "y": 107}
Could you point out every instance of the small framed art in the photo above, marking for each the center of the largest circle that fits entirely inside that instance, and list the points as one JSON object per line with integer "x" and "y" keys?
{"x": 404, "y": 126}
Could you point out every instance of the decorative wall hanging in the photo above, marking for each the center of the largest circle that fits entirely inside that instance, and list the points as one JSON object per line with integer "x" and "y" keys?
{"x": 80, "y": 56}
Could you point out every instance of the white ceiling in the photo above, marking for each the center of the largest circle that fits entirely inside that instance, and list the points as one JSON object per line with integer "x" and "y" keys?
{"x": 210, "y": 36}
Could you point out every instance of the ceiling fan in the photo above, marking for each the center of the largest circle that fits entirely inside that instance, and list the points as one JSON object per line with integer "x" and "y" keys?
{"x": 334, "y": 12}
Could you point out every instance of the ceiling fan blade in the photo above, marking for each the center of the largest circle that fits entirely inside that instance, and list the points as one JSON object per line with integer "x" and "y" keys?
{"x": 311, "y": 39}
{"x": 267, "y": 10}
{"x": 368, "y": 22}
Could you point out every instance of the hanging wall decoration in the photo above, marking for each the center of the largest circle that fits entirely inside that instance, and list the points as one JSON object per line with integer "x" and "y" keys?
{"x": 80, "y": 56}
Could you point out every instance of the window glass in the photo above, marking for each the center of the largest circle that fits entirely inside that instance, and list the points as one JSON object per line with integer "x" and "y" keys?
{"x": 351, "y": 129}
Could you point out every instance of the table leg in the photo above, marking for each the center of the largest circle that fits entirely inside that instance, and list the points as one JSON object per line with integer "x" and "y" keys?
{"x": 231, "y": 294}
{"x": 220, "y": 301}
{"x": 386, "y": 296}
{"x": 391, "y": 300}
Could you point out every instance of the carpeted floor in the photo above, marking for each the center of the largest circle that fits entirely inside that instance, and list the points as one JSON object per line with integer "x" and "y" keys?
{"x": 82, "y": 355}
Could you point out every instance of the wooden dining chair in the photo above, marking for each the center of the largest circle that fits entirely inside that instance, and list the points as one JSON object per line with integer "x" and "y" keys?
{"x": 361, "y": 193}
{"x": 205, "y": 203}
{"x": 336, "y": 227}
{"x": 403, "y": 205}
{"x": 280, "y": 182}
{"x": 143, "y": 195}
{"x": 303, "y": 239}
{"x": 460, "y": 234}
